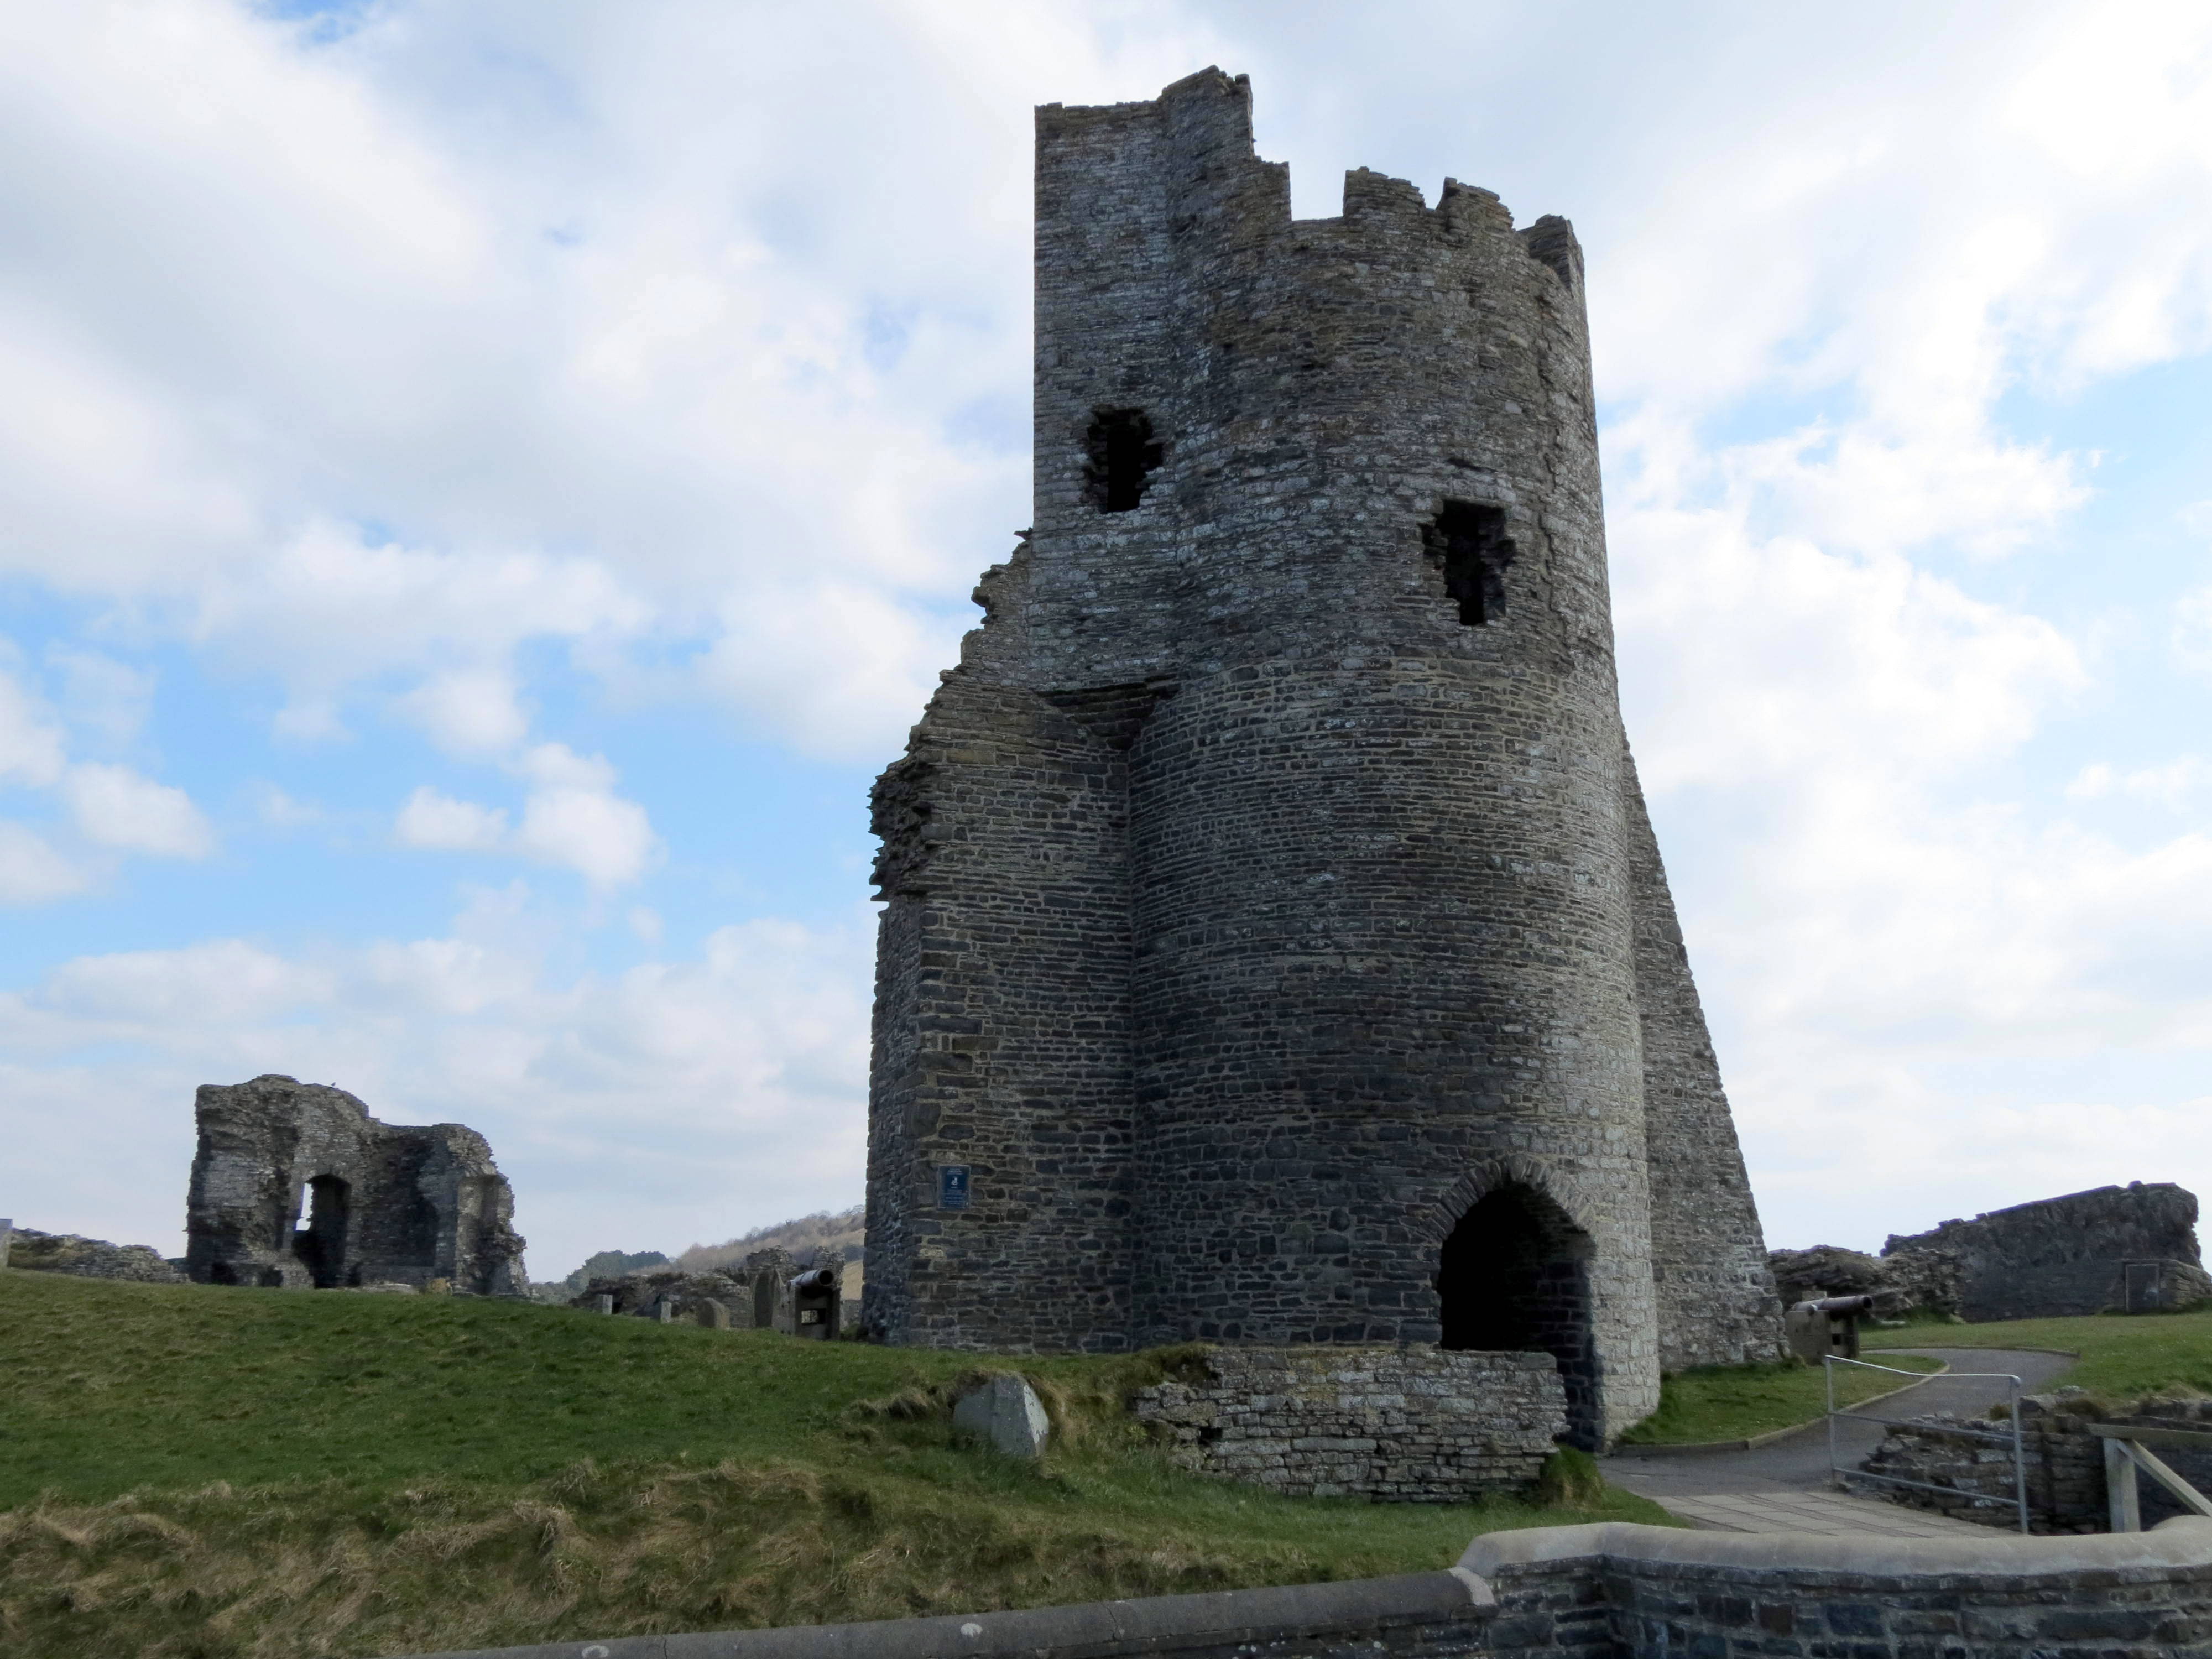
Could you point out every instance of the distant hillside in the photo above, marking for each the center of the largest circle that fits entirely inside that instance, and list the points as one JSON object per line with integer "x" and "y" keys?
{"x": 612, "y": 1264}
{"x": 813, "y": 1239}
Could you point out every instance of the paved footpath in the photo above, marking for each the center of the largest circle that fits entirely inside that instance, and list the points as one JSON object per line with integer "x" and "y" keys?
{"x": 1784, "y": 1487}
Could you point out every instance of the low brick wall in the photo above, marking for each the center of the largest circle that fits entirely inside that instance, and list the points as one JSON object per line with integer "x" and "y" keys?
{"x": 1404, "y": 1424}
{"x": 2065, "y": 1463}
{"x": 1631, "y": 1592}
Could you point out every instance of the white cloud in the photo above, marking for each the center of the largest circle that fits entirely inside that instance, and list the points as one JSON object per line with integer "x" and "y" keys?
{"x": 2170, "y": 786}
{"x": 2191, "y": 638}
{"x": 605, "y": 839}
{"x": 108, "y": 698}
{"x": 435, "y": 820}
{"x": 146, "y": 994}
{"x": 281, "y": 811}
{"x": 571, "y": 817}
{"x": 30, "y": 871}
{"x": 556, "y": 766}
{"x": 470, "y": 711}
{"x": 31, "y": 748}
{"x": 116, "y": 807}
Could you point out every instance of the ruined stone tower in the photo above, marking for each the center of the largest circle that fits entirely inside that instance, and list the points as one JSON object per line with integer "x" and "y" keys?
{"x": 383, "y": 1203}
{"x": 1275, "y": 946}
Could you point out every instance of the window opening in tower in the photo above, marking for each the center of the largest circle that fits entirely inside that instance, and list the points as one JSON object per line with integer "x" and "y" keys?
{"x": 1123, "y": 456}
{"x": 1469, "y": 540}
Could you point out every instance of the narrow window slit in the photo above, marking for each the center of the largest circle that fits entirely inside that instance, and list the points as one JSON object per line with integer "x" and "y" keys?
{"x": 1470, "y": 541}
{"x": 1123, "y": 456}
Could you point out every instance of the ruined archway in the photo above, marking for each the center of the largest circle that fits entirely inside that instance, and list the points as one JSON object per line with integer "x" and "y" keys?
{"x": 1513, "y": 1275}
{"x": 321, "y": 1245}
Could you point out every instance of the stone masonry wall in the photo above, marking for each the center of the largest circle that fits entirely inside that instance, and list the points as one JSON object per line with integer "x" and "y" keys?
{"x": 2059, "y": 1257}
{"x": 1404, "y": 1424}
{"x": 2064, "y": 1463}
{"x": 1635, "y": 1595}
{"x": 1269, "y": 885}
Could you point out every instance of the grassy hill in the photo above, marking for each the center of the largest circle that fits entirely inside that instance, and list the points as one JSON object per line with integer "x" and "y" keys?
{"x": 204, "y": 1473}
{"x": 826, "y": 1235}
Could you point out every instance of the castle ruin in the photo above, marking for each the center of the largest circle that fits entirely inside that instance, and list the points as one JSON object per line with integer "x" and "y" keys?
{"x": 1276, "y": 948}
{"x": 2131, "y": 1248}
{"x": 382, "y": 1203}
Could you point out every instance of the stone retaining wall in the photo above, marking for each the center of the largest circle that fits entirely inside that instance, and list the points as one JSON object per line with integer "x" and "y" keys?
{"x": 1410, "y": 1425}
{"x": 1606, "y": 1592}
{"x": 1631, "y": 1592}
{"x": 2065, "y": 1463}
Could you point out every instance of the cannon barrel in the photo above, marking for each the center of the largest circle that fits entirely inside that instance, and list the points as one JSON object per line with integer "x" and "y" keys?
{"x": 1841, "y": 1305}
{"x": 815, "y": 1279}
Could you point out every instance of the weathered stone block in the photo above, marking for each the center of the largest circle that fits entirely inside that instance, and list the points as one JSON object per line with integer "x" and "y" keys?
{"x": 1004, "y": 1413}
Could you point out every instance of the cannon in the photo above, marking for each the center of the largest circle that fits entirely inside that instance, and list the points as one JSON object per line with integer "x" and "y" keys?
{"x": 1828, "y": 1325}
{"x": 814, "y": 1303}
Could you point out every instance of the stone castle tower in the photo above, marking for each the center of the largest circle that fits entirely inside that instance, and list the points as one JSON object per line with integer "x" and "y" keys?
{"x": 1276, "y": 949}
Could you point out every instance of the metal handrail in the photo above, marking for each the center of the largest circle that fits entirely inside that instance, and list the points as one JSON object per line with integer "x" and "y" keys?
{"x": 1839, "y": 1475}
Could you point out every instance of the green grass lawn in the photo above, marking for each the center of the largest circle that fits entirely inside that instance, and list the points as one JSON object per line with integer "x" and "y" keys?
{"x": 1735, "y": 1402}
{"x": 2123, "y": 1357}
{"x": 204, "y": 1473}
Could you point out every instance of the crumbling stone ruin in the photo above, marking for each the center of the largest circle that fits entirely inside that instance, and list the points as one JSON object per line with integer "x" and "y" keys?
{"x": 1275, "y": 947}
{"x": 763, "y": 1293}
{"x": 296, "y": 1185}
{"x": 84, "y": 1258}
{"x": 2129, "y": 1249}
{"x": 2132, "y": 1248}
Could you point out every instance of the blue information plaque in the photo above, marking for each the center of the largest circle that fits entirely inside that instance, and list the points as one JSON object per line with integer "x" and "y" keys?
{"x": 952, "y": 1186}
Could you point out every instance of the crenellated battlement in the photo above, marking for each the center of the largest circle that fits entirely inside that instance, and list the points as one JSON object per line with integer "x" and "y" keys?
{"x": 1207, "y": 180}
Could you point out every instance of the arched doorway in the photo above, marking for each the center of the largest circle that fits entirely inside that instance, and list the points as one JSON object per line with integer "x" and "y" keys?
{"x": 1515, "y": 1276}
{"x": 322, "y": 1243}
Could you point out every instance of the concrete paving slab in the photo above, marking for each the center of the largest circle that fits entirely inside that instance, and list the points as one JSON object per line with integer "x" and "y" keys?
{"x": 1824, "y": 1514}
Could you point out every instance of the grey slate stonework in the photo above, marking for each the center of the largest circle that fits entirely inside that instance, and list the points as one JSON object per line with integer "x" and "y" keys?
{"x": 296, "y": 1185}
{"x": 2064, "y": 1463}
{"x": 1410, "y": 1425}
{"x": 1269, "y": 885}
{"x": 2060, "y": 1257}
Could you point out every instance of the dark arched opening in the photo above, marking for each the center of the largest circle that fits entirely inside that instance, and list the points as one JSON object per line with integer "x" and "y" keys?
{"x": 1514, "y": 1276}
{"x": 1120, "y": 456}
{"x": 764, "y": 1301}
{"x": 321, "y": 1245}
{"x": 1469, "y": 540}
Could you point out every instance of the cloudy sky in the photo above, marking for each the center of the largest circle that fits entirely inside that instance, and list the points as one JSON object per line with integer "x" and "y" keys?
{"x": 485, "y": 486}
